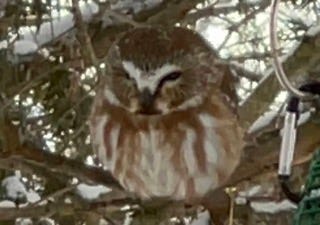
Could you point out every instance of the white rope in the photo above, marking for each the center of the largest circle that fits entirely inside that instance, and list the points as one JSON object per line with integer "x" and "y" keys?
{"x": 282, "y": 77}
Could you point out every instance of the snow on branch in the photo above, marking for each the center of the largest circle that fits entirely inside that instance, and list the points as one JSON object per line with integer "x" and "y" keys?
{"x": 91, "y": 192}
{"x": 31, "y": 39}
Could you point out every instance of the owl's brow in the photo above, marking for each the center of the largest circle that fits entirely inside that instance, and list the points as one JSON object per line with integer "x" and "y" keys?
{"x": 149, "y": 79}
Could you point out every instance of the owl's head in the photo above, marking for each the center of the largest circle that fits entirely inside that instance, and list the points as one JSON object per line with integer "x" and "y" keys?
{"x": 158, "y": 71}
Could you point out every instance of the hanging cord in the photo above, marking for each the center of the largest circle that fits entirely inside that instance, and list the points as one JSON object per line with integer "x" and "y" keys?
{"x": 283, "y": 79}
{"x": 288, "y": 139}
{"x": 305, "y": 92}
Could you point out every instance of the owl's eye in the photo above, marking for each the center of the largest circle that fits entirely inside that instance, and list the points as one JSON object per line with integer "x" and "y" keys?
{"x": 169, "y": 77}
{"x": 172, "y": 76}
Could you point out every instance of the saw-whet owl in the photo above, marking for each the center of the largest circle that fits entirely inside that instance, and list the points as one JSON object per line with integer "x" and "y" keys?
{"x": 164, "y": 117}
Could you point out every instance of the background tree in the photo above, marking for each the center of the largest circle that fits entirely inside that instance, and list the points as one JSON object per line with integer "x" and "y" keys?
{"x": 51, "y": 55}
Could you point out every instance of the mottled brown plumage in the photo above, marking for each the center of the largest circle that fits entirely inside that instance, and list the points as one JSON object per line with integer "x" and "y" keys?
{"x": 163, "y": 120}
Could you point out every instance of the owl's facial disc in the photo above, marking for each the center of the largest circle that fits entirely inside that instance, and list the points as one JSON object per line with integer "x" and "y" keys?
{"x": 148, "y": 84}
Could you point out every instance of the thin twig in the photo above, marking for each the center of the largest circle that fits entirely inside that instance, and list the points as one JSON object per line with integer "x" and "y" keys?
{"x": 31, "y": 84}
{"x": 55, "y": 194}
{"x": 123, "y": 18}
{"x": 85, "y": 40}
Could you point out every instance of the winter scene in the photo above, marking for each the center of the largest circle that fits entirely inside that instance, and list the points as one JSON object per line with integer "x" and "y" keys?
{"x": 159, "y": 112}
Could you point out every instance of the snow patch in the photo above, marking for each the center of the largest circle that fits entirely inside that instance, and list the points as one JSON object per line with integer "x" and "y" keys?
{"x": 226, "y": 4}
{"x": 313, "y": 30}
{"x": 134, "y": 6}
{"x": 272, "y": 207}
{"x": 33, "y": 197}
{"x": 103, "y": 222}
{"x": 24, "y": 47}
{"x": 127, "y": 7}
{"x": 49, "y": 31}
{"x": 7, "y": 204}
{"x": 262, "y": 121}
{"x": 14, "y": 188}
{"x": 23, "y": 221}
{"x": 46, "y": 221}
{"x": 91, "y": 192}
{"x": 254, "y": 191}
{"x": 202, "y": 219}
{"x": 304, "y": 117}
{"x": 240, "y": 200}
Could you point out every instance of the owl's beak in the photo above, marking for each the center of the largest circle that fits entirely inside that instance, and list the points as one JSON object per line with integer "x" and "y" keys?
{"x": 146, "y": 101}
{"x": 146, "y": 98}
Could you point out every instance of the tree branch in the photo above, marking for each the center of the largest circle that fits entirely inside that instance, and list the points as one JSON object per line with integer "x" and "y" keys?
{"x": 301, "y": 63}
{"x": 262, "y": 158}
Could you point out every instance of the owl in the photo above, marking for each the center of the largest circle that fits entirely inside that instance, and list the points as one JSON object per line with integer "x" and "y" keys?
{"x": 164, "y": 117}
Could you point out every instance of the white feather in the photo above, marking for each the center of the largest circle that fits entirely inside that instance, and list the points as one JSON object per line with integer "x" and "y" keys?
{"x": 99, "y": 139}
{"x": 111, "y": 97}
{"x": 210, "y": 148}
{"x": 211, "y": 143}
{"x": 181, "y": 192}
{"x": 144, "y": 140}
{"x": 159, "y": 176}
{"x": 204, "y": 184}
{"x": 114, "y": 138}
{"x": 192, "y": 102}
{"x": 188, "y": 151}
{"x": 207, "y": 120}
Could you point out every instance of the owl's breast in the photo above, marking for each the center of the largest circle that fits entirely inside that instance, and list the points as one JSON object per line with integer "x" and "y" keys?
{"x": 171, "y": 158}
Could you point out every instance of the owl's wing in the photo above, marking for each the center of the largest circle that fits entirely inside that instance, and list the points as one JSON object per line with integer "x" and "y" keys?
{"x": 228, "y": 86}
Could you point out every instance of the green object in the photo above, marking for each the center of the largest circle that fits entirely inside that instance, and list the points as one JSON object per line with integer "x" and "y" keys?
{"x": 313, "y": 179}
{"x": 308, "y": 212}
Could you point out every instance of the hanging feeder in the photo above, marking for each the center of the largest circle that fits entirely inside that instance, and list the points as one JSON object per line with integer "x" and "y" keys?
{"x": 308, "y": 212}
